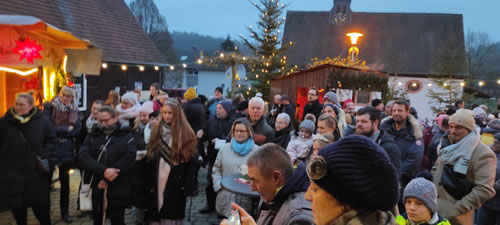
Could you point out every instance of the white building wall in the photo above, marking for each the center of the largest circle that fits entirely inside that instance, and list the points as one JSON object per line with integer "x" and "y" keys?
{"x": 209, "y": 80}
{"x": 419, "y": 100}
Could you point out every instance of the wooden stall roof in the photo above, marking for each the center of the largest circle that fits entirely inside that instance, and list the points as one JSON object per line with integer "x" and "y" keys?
{"x": 312, "y": 77}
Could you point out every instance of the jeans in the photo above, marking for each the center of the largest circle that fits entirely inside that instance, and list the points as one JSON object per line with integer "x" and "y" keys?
{"x": 64, "y": 180}
{"x": 488, "y": 217}
{"x": 42, "y": 214}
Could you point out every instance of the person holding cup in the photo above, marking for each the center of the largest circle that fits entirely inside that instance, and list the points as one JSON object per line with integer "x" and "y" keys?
{"x": 231, "y": 157}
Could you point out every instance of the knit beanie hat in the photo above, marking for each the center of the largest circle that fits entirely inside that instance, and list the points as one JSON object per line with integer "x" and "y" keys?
{"x": 147, "y": 107}
{"x": 464, "y": 118}
{"x": 424, "y": 191}
{"x": 226, "y": 105}
{"x": 190, "y": 93}
{"x": 357, "y": 172}
{"x": 307, "y": 124}
{"x": 130, "y": 97}
{"x": 69, "y": 91}
{"x": 334, "y": 107}
{"x": 331, "y": 96}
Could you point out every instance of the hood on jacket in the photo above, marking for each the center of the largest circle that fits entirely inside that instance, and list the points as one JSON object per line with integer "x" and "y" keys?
{"x": 298, "y": 182}
{"x": 415, "y": 129}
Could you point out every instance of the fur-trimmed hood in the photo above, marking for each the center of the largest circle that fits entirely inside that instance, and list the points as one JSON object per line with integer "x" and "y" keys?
{"x": 415, "y": 125}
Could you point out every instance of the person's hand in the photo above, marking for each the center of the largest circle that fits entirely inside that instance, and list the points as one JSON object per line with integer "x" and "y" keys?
{"x": 70, "y": 128}
{"x": 214, "y": 140}
{"x": 199, "y": 134}
{"x": 245, "y": 218}
{"x": 102, "y": 185}
{"x": 111, "y": 173}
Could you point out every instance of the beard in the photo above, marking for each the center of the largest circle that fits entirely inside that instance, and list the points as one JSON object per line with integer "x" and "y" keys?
{"x": 366, "y": 133}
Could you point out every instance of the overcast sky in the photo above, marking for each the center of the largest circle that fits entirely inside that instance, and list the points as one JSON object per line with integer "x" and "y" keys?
{"x": 222, "y": 17}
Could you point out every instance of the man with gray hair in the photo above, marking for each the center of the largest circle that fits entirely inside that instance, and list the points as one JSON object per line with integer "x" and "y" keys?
{"x": 263, "y": 132}
{"x": 281, "y": 187}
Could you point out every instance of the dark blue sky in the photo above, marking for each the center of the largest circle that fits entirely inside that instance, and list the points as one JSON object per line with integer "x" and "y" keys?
{"x": 221, "y": 17}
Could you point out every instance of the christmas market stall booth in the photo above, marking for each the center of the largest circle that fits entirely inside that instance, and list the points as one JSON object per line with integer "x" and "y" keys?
{"x": 359, "y": 85}
{"x": 36, "y": 56}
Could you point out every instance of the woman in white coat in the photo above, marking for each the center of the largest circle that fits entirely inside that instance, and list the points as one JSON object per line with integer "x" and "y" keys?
{"x": 230, "y": 158}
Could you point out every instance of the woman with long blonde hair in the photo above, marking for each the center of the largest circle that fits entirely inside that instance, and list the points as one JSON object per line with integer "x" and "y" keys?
{"x": 172, "y": 153}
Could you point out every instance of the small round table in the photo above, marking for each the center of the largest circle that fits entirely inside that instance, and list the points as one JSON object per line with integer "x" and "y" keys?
{"x": 231, "y": 184}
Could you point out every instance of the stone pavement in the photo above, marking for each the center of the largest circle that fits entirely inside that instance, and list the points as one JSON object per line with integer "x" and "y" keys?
{"x": 196, "y": 218}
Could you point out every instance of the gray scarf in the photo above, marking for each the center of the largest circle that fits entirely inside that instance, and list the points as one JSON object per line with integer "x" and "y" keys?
{"x": 460, "y": 153}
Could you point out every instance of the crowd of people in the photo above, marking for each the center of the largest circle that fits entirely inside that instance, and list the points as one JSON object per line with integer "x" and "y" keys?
{"x": 328, "y": 164}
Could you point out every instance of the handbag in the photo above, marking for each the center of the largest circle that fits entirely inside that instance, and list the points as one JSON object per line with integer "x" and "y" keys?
{"x": 86, "y": 189}
{"x": 42, "y": 164}
{"x": 456, "y": 184}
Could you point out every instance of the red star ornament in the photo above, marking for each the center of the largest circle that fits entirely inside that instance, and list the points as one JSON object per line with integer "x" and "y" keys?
{"x": 28, "y": 49}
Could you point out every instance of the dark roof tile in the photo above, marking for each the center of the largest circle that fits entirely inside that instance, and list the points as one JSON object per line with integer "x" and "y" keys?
{"x": 392, "y": 42}
{"x": 108, "y": 24}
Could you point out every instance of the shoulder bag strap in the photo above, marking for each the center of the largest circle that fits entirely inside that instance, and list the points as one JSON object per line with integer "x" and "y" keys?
{"x": 98, "y": 158}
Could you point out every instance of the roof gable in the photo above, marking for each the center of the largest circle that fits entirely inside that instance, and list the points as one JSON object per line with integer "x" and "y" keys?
{"x": 392, "y": 42}
{"x": 109, "y": 24}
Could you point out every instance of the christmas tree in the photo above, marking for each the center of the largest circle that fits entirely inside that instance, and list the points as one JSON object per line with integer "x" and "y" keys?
{"x": 270, "y": 61}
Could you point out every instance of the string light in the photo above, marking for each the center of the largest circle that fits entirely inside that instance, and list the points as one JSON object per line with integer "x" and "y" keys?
{"x": 199, "y": 61}
{"x": 184, "y": 65}
{"x": 157, "y": 68}
{"x": 141, "y": 68}
{"x": 498, "y": 81}
{"x": 481, "y": 83}
{"x": 430, "y": 84}
{"x": 172, "y": 67}
{"x": 18, "y": 72}
{"x": 462, "y": 84}
{"x": 124, "y": 67}
{"x": 104, "y": 65}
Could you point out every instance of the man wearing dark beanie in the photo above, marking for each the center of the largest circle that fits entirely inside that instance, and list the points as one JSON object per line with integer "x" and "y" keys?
{"x": 462, "y": 152}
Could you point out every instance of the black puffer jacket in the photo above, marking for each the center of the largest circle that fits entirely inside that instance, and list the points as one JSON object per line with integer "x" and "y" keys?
{"x": 64, "y": 150}
{"x": 195, "y": 114}
{"x": 387, "y": 143}
{"x": 263, "y": 133}
{"x": 21, "y": 182}
{"x": 138, "y": 175}
{"x": 312, "y": 107}
{"x": 216, "y": 128}
{"x": 121, "y": 152}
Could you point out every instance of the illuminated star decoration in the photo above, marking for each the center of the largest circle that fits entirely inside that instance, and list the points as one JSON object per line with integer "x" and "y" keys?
{"x": 28, "y": 49}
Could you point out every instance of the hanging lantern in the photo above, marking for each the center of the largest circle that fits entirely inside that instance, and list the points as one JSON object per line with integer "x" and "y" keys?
{"x": 28, "y": 49}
